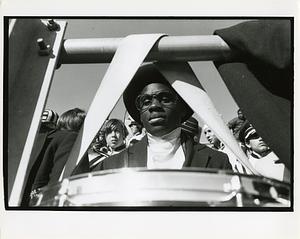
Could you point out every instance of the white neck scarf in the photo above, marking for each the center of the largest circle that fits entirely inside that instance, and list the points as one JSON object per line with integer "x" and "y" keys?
{"x": 165, "y": 151}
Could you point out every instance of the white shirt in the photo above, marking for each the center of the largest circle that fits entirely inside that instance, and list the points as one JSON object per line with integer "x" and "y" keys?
{"x": 267, "y": 166}
{"x": 165, "y": 152}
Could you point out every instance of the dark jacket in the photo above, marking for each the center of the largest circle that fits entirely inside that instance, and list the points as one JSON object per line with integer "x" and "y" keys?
{"x": 43, "y": 139}
{"x": 55, "y": 158}
{"x": 197, "y": 155}
{"x": 260, "y": 78}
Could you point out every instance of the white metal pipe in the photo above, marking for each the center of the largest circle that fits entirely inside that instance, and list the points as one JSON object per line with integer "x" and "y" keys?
{"x": 169, "y": 48}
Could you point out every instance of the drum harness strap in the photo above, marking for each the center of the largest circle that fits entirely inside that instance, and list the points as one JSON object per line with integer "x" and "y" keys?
{"x": 126, "y": 161}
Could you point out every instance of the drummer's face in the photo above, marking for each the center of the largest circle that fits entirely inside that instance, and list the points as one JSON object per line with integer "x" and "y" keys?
{"x": 160, "y": 118}
{"x": 114, "y": 138}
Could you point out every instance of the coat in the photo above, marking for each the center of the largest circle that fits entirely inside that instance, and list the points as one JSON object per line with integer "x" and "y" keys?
{"x": 55, "y": 158}
{"x": 196, "y": 155}
{"x": 260, "y": 78}
{"x": 43, "y": 139}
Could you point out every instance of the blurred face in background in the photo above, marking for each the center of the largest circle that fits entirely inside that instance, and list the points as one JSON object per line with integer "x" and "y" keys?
{"x": 134, "y": 129}
{"x": 114, "y": 137}
{"x": 210, "y": 136}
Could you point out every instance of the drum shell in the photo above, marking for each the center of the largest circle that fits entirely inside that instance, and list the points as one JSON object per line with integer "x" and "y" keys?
{"x": 179, "y": 188}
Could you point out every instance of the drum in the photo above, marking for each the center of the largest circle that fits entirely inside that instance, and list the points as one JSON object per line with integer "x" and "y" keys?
{"x": 179, "y": 188}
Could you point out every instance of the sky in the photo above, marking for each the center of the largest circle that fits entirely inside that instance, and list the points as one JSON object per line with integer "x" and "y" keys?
{"x": 74, "y": 85}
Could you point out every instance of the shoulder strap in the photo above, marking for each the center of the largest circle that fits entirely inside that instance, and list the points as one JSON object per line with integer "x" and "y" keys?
{"x": 126, "y": 161}
{"x": 188, "y": 149}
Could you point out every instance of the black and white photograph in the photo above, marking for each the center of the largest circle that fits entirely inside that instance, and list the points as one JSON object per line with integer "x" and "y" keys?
{"x": 108, "y": 119}
{"x": 164, "y": 113}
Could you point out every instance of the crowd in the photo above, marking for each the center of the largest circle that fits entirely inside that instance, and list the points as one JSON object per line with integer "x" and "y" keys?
{"x": 259, "y": 154}
{"x": 164, "y": 135}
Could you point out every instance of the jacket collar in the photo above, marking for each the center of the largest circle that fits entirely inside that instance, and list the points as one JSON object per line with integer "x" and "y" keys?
{"x": 137, "y": 154}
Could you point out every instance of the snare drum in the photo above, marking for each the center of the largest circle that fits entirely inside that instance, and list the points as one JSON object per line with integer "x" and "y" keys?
{"x": 187, "y": 187}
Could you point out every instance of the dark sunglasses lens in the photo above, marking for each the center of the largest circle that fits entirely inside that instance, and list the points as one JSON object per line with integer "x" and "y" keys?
{"x": 254, "y": 136}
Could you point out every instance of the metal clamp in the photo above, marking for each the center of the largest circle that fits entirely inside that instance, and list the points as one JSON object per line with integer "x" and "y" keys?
{"x": 53, "y": 25}
{"x": 44, "y": 49}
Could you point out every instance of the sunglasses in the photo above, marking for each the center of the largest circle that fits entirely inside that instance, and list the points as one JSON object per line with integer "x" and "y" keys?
{"x": 253, "y": 136}
{"x": 165, "y": 98}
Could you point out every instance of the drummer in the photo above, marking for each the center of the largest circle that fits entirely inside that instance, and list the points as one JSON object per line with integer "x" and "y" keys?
{"x": 152, "y": 102}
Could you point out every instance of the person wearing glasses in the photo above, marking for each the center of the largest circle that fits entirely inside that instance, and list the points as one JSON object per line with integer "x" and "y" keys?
{"x": 262, "y": 158}
{"x": 152, "y": 102}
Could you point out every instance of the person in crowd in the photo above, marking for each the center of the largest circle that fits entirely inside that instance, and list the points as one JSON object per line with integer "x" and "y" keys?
{"x": 191, "y": 127}
{"x": 43, "y": 138}
{"x": 236, "y": 123}
{"x": 152, "y": 102}
{"x": 54, "y": 158}
{"x": 71, "y": 120}
{"x": 216, "y": 144}
{"x": 262, "y": 158}
{"x": 114, "y": 134}
{"x": 137, "y": 132}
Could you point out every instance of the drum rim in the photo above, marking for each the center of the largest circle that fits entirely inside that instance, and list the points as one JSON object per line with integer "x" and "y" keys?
{"x": 186, "y": 170}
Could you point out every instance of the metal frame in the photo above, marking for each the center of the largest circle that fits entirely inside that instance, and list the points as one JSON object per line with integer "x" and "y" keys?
{"x": 28, "y": 90}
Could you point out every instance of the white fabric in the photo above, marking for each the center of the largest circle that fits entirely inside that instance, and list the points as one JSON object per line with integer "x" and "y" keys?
{"x": 267, "y": 167}
{"x": 166, "y": 151}
{"x": 136, "y": 137}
